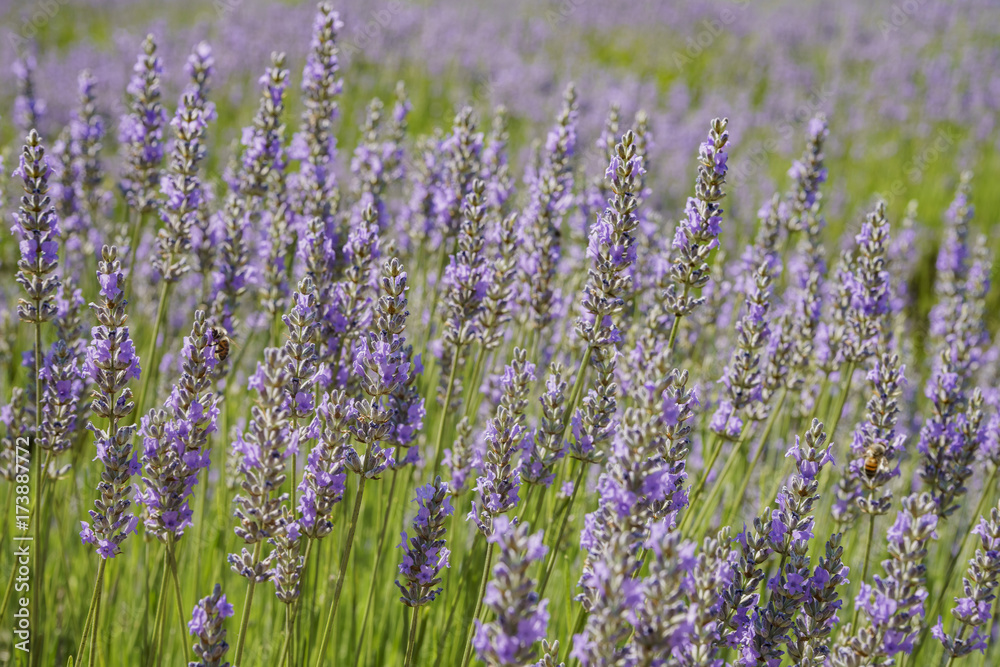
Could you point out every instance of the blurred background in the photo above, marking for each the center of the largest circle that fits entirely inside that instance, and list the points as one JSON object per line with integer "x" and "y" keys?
{"x": 911, "y": 88}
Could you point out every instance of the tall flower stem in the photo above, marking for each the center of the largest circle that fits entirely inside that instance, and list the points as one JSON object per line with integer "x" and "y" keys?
{"x": 551, "y": 563}
{"x": 181, "y": 611}
{"x": 161, "y": 612}
{"x": 245, "y": 617}
{"x": 378, "y": 560}
{"x": 344, "y": 559}
{"x": 411, "y": 642}
{"x": 768, "y": 427}
{"x": 696, "y": 491}
{"x": 443, "y": 420}
{"x": 574, "y": 397}
{"x": 713, "y": 495}
{"x": 674, "y": 328}
{"x": 140, "y": 222}
{"x": 98, "y": 584}
{"x": 479, "y": 604}
{"x": 864, "y": 569}
{"x": 161, "y": 311}
{"x": 91, "y": 661}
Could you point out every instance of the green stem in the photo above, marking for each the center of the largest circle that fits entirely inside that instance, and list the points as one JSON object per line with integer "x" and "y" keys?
{"x": 344, "y": 559}
{"x": 286, "y": 644}
{"x": 768, "y": 426}
{"x": 181, "y": 612}
{"x": 457, "y": 593}
{"x": 834, "y": 419}
{"x": 94, "y": 629}
{"x": 98, "y": 583}
{"x": 245, "y": 618}
{"x": 161, "y": 612}
{"x": 674, "y": 328}
{"x": 864, "y": 568}
{"x": 699, "y": 487}
{"x": 577, "y": 390}
{"x": 161, "y": 311}
{"x": 723, "y": 475}
{"x": 551, "y": 563}
{"x": 412, "y": 641}
{"x": 445, "y": 407}
{"x": 378, "y": 560}
{"x": 479, "y": 604}
{"x": 134, "y": 243}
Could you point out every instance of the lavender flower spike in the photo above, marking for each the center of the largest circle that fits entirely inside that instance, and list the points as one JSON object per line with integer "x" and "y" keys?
{"x": 206, "y": 625}
{"x": 35, "y": 222}
{"x": 697, "y": 235}
{"x": 262, "y": 450}
{"x": 141, "y": 131}
{"x": 520, "y": 619}
{"x": 894, "y": 606}
{"x": 972, "y": 610}
{"x": 425, "y": 553}
{"x": 111, "y": 364}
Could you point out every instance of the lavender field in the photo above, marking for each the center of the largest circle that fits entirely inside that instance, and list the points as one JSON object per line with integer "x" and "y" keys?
{"x": 499, "y": 333}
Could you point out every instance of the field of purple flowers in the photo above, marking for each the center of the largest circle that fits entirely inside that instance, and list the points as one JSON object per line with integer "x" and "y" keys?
{"x": 446, "y": 333}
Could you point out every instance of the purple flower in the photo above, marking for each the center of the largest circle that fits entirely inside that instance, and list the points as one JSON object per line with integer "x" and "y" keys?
{"x": 425, "y": 554}
{"x": 520, "y": 619}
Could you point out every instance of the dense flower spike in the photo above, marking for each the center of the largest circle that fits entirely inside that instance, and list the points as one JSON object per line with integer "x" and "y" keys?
{"x": 207, "y": 625}
{"x": 551, "y": 192}
{"x": 809, "y": 173}
{"x": 176, "y": 438}
{"x": 812, "y": 629}
{"x": 381, "y": 368}
{"x": 140, "y": 133}
{"x": 36, "y": 226}
{"x": 323, "y": 479}
{"x": 111, "y": 364}
{"x": 28, "y": 108}
{"x": 465, "y": 280}
{"x": 315, "y": 144}
{"x": 894, "y": 606}
{"x": 181, "y": 188}
{"x": 520, "y": 618}
{"x": 742, "y": 378}
{"x": 547, "y": 446}
{"x": 953, "y": 259}
{"x": 868, "y": 286}
{"x": 876, "y": 447}
{"x": 262, "y": 449}
{"x": 972, "y": 610}
{"x": 424, "y": 553}
{"x": 261, "y": 145}
{"x": 697, "y": 235}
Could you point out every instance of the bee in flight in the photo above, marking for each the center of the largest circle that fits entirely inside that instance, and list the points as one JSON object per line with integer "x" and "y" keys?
{"x": 221, "y": 342}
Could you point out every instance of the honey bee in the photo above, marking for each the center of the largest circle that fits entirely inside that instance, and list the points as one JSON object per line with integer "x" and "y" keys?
{"x": 871, "y": 465}
{"x": 222, "y": 342}
{"x": 873, "y": 460}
